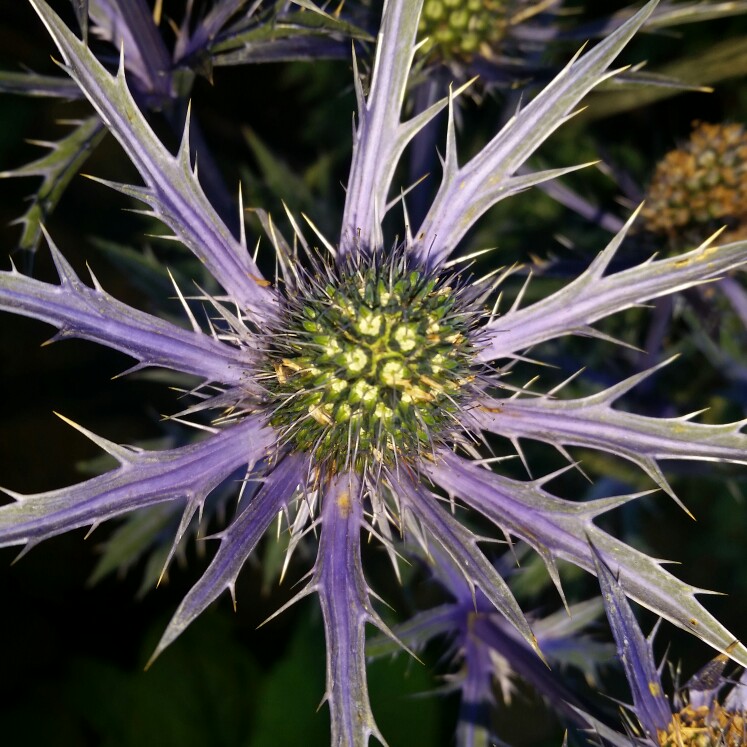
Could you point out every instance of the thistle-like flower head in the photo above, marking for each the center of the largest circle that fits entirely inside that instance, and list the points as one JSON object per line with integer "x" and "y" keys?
{"x": 353, "y": 394}
{"x": 460, "y": 29}
{"x": 700, "y": 187}
{"x": 708, "y": 711}
{"x": 372, "y": 362}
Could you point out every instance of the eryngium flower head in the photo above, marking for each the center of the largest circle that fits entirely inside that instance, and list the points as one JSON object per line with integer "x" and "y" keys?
{"x": 287, "y": 372}
{"x": 708, "y": 711}
{"x": 700, "y": 187}
{"x": 371, "y": 361}
{"x": 460, "y": 29}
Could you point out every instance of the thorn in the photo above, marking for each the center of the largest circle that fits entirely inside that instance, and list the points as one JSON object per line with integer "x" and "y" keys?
{"x": 185, "y": 305}
{"x": 18, "y": 497}
{"x": 121, "y": 453}
{"x": 321, "y": 236}
{"x": 30, "y": 544}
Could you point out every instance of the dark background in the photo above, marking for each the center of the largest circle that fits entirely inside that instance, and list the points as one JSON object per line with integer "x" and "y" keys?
{"x": 72, "y": 655}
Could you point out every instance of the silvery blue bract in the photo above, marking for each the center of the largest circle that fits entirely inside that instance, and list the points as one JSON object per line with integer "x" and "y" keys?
{"x": 351, "y": 393}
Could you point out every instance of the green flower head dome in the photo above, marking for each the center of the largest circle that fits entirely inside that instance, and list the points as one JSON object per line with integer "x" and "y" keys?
{"x": 368, "y": 356}
{"x": 461, "y": 29}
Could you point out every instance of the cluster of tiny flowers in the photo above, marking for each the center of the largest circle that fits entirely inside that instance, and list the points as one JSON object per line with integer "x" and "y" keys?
{"x": 371, "y": 362}
{"x": 701, "y": 186}
{"x": 459, "y": 29}
{"x": 705, "y": 726}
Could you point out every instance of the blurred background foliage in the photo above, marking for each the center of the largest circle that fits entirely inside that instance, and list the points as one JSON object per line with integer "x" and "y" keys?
{"x": 73, "y": 653}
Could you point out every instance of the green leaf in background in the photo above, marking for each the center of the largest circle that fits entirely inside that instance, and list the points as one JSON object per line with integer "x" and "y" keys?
{"x": 408, "y": 710}
{"x": 719, "y": 62}
{"x": 131, "y": 539}
{"x": 31, "y": 84}
{"x": 288, "y": 704}
{"x": 57, "y": 168}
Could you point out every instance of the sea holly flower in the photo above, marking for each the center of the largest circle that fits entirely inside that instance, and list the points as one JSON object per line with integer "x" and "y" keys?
{"x": 352, "y": 393}
{"x": 700, "y": 187}
{"x": 482, "y": 35}
{"x": 709, "y": 710}
{"x": 506, "y": 41}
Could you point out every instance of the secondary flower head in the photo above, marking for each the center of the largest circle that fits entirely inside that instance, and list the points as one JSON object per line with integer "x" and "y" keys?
{"x": 700, "y": 187}
{"x": 353, "y": 394}
{"x": 460, "y": 29}
{"x": 706, "y": 725}
{"x": 708, "y": 711}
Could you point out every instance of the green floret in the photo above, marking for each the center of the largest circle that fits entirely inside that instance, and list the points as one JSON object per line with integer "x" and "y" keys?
{"x": 460, "y": 28}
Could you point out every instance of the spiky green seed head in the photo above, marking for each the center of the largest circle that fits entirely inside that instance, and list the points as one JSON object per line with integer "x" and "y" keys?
{"x": 459, "y": 29}
{"x": 700, "y": 187}
{"x": 372, "y": 364}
